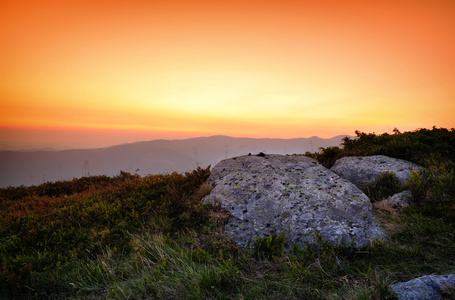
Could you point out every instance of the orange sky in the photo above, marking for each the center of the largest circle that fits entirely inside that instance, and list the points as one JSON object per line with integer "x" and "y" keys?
{"x": 97, "y": 73}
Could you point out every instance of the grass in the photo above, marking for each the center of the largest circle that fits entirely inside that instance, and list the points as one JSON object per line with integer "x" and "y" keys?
{"x": 386, "y": 185}
{"x": 132, "y": 237}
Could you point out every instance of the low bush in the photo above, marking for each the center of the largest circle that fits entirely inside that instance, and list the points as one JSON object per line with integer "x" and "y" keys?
{"x": 39, "y": 232}
{"x": 415, "y": 146}
{"x": 385, "y": 186}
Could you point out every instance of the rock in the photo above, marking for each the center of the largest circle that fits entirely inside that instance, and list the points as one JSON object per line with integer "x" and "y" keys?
{"x": 392, "y": 206}
{"x": 365, "y": 170}
{"x": 426, "y": 287}
{"x": 400, "y": 199}
{"x": 292, "y": 194}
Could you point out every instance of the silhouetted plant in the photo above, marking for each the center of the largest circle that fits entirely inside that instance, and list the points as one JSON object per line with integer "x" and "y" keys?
{"x": 416, "y": 146}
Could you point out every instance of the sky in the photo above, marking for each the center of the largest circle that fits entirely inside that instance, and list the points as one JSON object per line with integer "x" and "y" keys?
{"x": 99, "y": 73}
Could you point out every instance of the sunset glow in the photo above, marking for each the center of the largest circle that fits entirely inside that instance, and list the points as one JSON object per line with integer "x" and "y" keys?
{"x": 98, "y": 73}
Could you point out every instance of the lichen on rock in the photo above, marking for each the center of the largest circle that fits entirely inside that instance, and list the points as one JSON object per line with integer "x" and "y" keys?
{"x": 293, "y": 194}
{"x": 425, "y": 287}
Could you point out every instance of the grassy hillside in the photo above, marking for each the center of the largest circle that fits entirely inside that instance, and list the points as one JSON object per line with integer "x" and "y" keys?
{"x": 133, "y": 237}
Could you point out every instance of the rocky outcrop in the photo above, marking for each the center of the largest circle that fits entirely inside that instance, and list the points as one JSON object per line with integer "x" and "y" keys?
{"x": 365, "y": 170}
{"x": 293, "y": 194}
{"x": 268, "y": 194}
{"x": 423, "y": 288}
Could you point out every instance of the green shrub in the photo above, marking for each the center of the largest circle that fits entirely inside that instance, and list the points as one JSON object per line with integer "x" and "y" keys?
{"x": 269, "y": 247}
{"x": 328, "y": 156}
{"x": 436, "y": 182}
{"x": 416, "y": 146}
{"x": 386, "y": 185}
{"x": 418, "y": 184}
{"x": 39, "y": 232}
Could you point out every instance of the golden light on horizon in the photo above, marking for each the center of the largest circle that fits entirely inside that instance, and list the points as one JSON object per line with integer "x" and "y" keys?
{"x": 169, "y": 69}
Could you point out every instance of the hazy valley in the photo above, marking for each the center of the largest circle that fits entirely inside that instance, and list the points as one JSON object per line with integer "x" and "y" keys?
{"x": 148, "y": 157}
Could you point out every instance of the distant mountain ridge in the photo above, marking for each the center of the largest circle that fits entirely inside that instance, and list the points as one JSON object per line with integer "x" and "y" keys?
{"x": 147, "y": 157}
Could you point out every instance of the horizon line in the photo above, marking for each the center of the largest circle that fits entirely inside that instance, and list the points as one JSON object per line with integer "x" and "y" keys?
{"x": 22, "y": 147}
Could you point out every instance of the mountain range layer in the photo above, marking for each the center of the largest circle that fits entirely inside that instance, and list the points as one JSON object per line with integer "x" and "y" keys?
{"x": 143, "y": 158}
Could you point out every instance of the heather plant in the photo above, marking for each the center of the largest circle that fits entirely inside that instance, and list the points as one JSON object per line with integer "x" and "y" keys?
{"x": 53, "y": 231}
{"x": 56, "y": 189}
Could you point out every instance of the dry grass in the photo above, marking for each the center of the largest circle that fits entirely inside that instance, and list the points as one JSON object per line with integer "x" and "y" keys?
{"x": 385, "y": 211}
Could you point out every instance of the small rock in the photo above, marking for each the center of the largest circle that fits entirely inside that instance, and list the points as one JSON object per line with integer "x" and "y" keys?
{"x": 400, "y": 199}
{"x": 423, "y": 288}
{"x": 365, "y": 170}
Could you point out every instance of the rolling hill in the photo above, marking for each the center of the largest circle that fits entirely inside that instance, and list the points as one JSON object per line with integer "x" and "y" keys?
{"x": 148, "y": 157}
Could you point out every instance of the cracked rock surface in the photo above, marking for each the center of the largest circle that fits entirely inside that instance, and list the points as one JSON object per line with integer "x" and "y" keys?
{"x": 293, "y": 194}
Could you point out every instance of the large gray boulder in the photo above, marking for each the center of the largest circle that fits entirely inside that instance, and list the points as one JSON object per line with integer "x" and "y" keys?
{"x": 365, "y": 170}
{"x": 423, "y": 288}
{"x": 292, "y": 194}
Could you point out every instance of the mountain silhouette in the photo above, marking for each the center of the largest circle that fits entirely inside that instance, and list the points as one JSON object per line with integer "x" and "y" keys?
{"x": 143, "y": 158}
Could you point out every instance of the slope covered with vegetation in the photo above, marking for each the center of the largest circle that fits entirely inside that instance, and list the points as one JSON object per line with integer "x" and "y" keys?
{"x": 420, "y": 146}
{"x": 132, "y": 237}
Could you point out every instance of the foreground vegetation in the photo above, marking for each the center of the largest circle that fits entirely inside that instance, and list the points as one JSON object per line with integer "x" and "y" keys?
{"x": 132, "y": 237}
